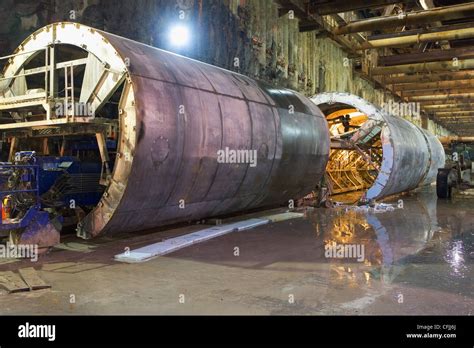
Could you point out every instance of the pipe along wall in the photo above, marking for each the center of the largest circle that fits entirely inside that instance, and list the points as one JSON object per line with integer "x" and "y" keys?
{"x": 176, "y": 114}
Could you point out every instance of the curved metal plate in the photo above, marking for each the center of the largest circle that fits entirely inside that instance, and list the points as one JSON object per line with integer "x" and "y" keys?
{"x": 185, "y": 112}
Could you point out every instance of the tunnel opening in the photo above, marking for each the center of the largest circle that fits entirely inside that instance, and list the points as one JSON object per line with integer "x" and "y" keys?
{"x": 393, "y": 155}
{"x": 356, "y": 152}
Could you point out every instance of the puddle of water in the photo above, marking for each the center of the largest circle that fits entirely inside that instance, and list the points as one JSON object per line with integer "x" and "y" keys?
{"x": 428, "y": 243}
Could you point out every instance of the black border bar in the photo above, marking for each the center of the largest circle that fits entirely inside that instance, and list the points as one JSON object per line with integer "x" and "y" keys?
{"x": 289, "y": 330}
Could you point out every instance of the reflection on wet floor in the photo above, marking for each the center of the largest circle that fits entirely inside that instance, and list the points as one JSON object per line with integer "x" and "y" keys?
{"x": 391, "y": 240}
{"x": 427, "y": 246}
{"x": 416, "y": 234}
{"x": 422, "y": 252}
{"x": 455, "y": 257}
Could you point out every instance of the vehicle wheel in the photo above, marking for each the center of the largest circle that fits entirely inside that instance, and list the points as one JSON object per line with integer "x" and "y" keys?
{"x": 443, "y": 188}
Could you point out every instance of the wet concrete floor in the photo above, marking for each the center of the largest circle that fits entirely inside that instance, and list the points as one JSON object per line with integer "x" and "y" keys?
{"x": 415, "y": 260}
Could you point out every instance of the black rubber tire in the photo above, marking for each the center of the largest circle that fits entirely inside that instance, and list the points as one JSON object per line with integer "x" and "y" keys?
{"x": 443, "y": 189}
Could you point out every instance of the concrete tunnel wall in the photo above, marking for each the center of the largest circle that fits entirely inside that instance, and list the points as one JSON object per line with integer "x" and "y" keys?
{"x": 411, "y": 155}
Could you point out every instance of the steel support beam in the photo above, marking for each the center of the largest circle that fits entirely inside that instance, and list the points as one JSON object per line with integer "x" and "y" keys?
{"x": 326, "y": 7}
{"x": 437, "y": 92}
{"x": 447, "y": 140}
{"x": 448, "y": 110}
{"x": 451, "y": 76}
{"x": 417, "y": 17}
{"x": 467, "y": 113}
{"x": 419, "y": 31}
{"x": 458, "y": 113}
{"x": 465, "y": 125}
{"x": 434, "y": 85}
{"x": 468, "y": 97}
{"x": 445, "y": 104}
{"x": 429, "y": 56}
{"x": 424, "y": 67}
{"x": 454, "y": 34}
{"x": 461, "y": 109}
{"x": 13, "y": 149}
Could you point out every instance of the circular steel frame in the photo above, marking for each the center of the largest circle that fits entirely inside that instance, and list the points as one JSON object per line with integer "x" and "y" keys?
{"x": 411, "y": 155}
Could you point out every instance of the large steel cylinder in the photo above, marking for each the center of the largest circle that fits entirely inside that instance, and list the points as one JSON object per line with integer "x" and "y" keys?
{"x": 406, "y": 158}
{"x": 411, "y": 155}
{"x": 175, "y": 115}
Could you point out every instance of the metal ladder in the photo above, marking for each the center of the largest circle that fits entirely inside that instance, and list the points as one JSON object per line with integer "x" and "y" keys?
{"x": 69, "y": 91}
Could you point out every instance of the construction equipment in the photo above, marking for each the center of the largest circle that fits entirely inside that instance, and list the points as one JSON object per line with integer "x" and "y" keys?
{"x": 40, "y": 194}
{"x": 456, "y": 176}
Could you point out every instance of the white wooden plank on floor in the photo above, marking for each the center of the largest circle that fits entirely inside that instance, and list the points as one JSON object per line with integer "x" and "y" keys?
{"x": 283, "y": 216}
{"x": 173, "y": 244}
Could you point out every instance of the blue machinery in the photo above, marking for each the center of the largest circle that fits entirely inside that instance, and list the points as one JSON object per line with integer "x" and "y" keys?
{"x": 38, "y": 192}
{"x": 29, "y": 173}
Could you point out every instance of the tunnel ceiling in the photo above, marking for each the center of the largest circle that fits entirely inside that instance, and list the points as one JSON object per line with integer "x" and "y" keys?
{"x": 420, "y": 50}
